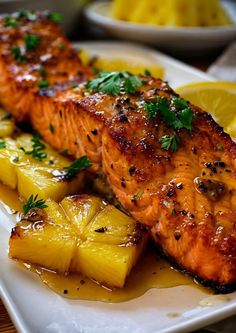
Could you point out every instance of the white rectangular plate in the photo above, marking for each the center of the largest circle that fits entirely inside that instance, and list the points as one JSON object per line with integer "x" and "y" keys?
{"x": 35, "y": 308}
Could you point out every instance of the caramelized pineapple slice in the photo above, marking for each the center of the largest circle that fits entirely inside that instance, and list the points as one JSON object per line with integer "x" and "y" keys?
{"x": 111, "y": 241}
{"x": 45, "y": 177}
{"x": 81, "y": 209}
{"x": 7, "y": 126}
{"x": 84, "y": 235}
{"x": 43, "y": 238}
{"x": 9, "y": 157}
{"x": 111, "y": 226}
{"x": 108, "y": 264}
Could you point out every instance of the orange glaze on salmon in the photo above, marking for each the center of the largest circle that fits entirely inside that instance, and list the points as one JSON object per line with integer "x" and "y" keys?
{"x": 187, "y": 197}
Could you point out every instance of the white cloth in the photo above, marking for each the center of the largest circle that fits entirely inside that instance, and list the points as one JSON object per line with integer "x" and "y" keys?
{"x": 224, "y": 68}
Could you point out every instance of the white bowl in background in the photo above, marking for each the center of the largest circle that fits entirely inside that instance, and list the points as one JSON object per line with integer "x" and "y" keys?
{"x": 179, "y": 40}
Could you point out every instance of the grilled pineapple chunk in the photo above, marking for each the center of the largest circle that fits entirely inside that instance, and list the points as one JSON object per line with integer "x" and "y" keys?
{"x": 82, "y": 234}
{"x": 45, "y": 177}
{"x": 43, "y": 238}
{"x": 172, "y": 12}
{"x": 7, "y": 126}
{"x": 107, "y": 263}
{"x": 81, "y": 209}
{"x": 116, "y": 241}
{"x": 8, "y": 159}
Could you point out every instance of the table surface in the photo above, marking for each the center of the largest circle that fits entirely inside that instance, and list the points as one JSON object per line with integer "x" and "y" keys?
{"x": 6, "y": 324}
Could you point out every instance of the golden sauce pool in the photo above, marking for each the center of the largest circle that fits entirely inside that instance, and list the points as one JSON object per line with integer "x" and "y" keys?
{"x": 151, "y": 271}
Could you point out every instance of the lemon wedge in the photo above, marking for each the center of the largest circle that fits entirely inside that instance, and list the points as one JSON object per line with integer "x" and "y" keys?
{"x": 128, "y": 64}
{"x": 114, "y": 64}
{"x": 217, "y": 98}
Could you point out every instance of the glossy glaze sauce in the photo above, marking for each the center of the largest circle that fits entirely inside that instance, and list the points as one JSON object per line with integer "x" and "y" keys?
{"x": 150, "y": 272}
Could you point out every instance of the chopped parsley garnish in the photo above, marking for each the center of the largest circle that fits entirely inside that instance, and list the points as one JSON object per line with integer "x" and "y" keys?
{"x": 2, "y": 144}
{"x": 175, "y": 113}
{"x": 113, "y": 83}
{"x": 15, "y": 159}
{"x": 5, "y": 116}
{"x": 42, "y": 71}
{"x": 61, "y": 46}
{"x": 31, "y": 16}
{"x": 18, "y": 55}
{"x": 10, "y": 21}
{"x": 21, "y": 12}
{"x": 95, "y": 70}
{"x": 26, "y": 13}
{"x": 37, "y": 149}
{"x": 31, "y": 42}
{"x": 43, "y": 84}
{"x": 180, "y": 103}
{"x": 65, "y": 151}
{"x": 219, "y": 147}
{"x": 32, "y": 202}
{"x": 51, "y": 128}
{"x": 176, "y": 119}
{"x": 137, "y": 196}
{"x": 79, "y": 164}
{"x": 171, "y": 142}
{"x": 55, "y": 17}
{"x": 147, "y": 73}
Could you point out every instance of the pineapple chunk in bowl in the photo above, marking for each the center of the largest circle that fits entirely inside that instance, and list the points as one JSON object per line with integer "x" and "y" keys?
{"x": 87, "y": 234}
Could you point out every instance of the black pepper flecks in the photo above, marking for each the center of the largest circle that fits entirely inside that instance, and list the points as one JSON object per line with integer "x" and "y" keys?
{"x": 179, "y": 186}
{"x": 177, "y": 235}
{"x": 170, "y": 192}
{"x": 212, "y": 189}
{"x": 101, "y": 230}
{"x": 123, "y": 182}
{"x": 219, "y": 164}
{"x": 213, "y": 169}
{"x": 208, "y": 165}
{"x": 123, "y": 118}
{"x": 94, "y": 131}
{"x": 132, "y": 170}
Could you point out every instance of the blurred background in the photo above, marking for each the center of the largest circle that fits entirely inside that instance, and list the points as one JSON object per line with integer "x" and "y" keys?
{"x": 185, "y": 29}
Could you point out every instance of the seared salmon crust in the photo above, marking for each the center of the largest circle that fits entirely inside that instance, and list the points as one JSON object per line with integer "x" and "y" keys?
{"x": 186, "y": 197}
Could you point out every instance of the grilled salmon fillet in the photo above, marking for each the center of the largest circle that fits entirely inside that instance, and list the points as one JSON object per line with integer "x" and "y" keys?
{"x": 187, "y": 197}
{"x": 34, "y": 53}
